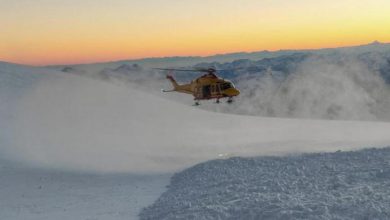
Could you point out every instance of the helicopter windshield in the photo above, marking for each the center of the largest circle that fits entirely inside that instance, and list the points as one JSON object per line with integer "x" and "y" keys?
{"x": 227, "y": 85}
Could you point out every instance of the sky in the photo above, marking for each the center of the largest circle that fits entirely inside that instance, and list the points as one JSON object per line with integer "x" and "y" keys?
{"x": 46, "y": 32}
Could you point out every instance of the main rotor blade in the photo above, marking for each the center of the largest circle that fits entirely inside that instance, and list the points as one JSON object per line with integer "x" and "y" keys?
{"x": 184, "y": 70}
{"x": 206, "y": 70}
{"x": 200, "y": 69}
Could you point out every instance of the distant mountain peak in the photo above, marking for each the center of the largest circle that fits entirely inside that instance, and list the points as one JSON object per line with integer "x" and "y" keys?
{"x": 128, "y": 67}
{"x": 68, "y": 69}
{"x": 375, "y": 42}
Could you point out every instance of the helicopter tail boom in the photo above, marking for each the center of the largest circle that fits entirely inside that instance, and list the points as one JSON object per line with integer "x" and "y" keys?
{"x": 185, "y": 88}
{"x": 173, "y": 81}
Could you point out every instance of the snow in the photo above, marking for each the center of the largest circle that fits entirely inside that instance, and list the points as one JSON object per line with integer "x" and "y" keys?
{"x": 82, "y": 148}
{"x": 39, "y": 194}
{"x": 75, "y": 123}
{"x": 341, "y": 185}
{"x": 29, "y": 192}
{"x": 338, "y": 85}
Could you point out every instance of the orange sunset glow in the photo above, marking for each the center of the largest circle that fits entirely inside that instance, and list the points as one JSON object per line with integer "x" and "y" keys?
{"x": 47, "y": 32}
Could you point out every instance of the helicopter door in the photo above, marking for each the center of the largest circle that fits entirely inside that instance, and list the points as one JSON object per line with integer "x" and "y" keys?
{"x": 206, "y": 91}
{"x": 217, "y": 88}
{"x": 197, "y": 92}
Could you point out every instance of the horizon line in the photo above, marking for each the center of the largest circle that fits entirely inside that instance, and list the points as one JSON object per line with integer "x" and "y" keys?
{"x": 375, "y": 42}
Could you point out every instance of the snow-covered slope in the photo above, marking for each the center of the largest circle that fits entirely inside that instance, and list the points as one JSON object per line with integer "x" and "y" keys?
{"x": 42, "y": 194}
{"x": 63, "y": 125}
{"x": 46, "y": 193}
{"x": 340, "y": 185}
{"x": 67, "y": 121}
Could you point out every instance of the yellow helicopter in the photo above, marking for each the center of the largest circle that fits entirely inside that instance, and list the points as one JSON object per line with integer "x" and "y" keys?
{"x": 206, "y": 87}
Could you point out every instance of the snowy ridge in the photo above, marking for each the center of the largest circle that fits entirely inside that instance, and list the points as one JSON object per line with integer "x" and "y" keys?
{"x": 230, "y": 57}
{"x": 341, "y": 185}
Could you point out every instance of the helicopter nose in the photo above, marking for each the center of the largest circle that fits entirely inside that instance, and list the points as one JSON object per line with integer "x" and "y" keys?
{"x": 232, "y": 92}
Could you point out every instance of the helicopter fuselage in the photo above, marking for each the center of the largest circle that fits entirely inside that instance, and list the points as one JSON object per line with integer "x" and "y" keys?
{"x": 206, "y": 87}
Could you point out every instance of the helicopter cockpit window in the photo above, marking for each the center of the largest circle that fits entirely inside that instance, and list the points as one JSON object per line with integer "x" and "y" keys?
{"x": 225, "y": 86}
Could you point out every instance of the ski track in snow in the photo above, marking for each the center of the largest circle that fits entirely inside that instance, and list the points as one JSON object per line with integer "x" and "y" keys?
{"x": 341, "y": 185}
